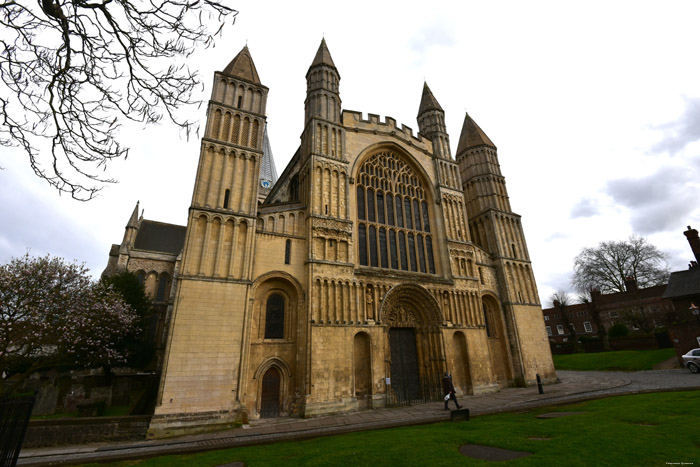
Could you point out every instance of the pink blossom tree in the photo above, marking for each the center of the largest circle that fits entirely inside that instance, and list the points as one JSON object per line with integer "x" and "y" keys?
{"x": 53, "y": 314}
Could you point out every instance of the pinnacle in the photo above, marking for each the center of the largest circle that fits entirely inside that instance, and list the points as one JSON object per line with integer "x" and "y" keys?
{"x": 428, "y": 101}
{"x": 472, "y": 135}
{"x": 323, "y": 55}
{"x": 242, "y": 66}
{"x": 134, "y": 219}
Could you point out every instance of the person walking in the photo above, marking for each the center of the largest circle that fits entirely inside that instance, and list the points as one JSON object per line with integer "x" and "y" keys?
{"x": 449, "y": 390}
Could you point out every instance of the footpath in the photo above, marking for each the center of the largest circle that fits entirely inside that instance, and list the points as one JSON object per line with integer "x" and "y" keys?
{"x": 573, "y": 386}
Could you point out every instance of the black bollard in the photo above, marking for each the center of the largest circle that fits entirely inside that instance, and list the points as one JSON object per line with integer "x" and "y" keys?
{"x": 539, "y": 384}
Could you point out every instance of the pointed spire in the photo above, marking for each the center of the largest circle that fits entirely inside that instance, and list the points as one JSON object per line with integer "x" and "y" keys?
{"x": 428, "y": 101}
{"x": 472, "y": 136}
{"x": 134, "y": 219}
{"x": 267, "y": 165}
{"x": 323, "y": 56}
{"x": 242, "y": 66}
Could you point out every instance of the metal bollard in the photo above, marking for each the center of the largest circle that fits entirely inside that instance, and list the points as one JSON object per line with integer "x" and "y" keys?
{"x": 539, "y": 384}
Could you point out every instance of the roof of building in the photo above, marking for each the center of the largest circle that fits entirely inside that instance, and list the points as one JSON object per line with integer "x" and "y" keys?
{"x": 472, "y": 135}
{"x": 267, "y": 166}
{"x": 428, "y": 101}
{"x": 683, "y": 284}
{"x": 160, "y": 237}
{"x": 323, "y": 55}
{"x": 242, "y": 66}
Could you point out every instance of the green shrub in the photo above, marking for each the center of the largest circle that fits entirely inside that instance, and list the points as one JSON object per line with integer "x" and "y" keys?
{"x": 618, "y": 330}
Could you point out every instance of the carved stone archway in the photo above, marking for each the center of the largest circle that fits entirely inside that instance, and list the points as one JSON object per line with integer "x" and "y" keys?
{"x": 412, "y": 318}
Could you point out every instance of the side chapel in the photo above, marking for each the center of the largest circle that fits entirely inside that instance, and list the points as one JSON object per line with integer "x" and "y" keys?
{"x": 375, "y": 263}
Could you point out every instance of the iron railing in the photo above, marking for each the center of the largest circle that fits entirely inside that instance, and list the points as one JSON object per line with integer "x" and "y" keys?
{"x": 15, "y": 411}
{"x": 429, "y": 390}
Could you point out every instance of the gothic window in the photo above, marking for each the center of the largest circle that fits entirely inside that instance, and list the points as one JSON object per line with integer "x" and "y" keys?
{"x": 162, "y": 285}
{"x": 274, "y": 317}
{"x": 393, "y": 217}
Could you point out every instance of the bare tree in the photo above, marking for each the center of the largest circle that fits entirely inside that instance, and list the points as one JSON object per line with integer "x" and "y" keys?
{"x": 607, "y": 266}
{"x": 560, "y": 300}
{"x": 591, "y": 299}
{"x": 73, "y": 71}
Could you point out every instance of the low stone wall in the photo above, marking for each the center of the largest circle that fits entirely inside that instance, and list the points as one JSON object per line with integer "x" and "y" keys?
{"x": 85, "y": 430}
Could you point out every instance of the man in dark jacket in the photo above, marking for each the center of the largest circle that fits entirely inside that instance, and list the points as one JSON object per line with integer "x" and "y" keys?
{"x": 449, "y": 390}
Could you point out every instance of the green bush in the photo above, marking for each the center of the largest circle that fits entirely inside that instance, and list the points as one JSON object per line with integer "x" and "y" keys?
{"x": 618, "y": 330}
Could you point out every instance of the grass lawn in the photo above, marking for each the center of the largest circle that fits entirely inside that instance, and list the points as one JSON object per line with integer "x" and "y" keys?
{"x": 645, "y": 429}
{"x": 623, "y": 360}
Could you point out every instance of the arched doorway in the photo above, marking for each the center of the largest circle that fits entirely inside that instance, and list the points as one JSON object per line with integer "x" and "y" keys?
{"x": 270, "y": 394}
{"x": 412, "y": 320}
{"x": 462, "y": 373}
{"x": 497, "y": 342}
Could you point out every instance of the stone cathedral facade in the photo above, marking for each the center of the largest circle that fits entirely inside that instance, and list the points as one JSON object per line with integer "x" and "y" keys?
{"x": 375, "y": 263}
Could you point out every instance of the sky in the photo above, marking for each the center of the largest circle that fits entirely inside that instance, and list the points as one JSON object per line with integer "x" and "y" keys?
{"x": 594, "y": 107}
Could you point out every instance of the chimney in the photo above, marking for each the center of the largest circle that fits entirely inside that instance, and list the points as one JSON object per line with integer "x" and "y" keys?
{"x": 694, "y": 240}
{"x": 630, "y": 284}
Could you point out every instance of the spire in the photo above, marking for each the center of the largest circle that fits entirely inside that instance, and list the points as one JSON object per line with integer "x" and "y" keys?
{"x": 134, "y": 219}
{"x": 267, "y": 165}
{"x": 242, "y": 66}
{"x": 472, "y": 136}
{"x": 428, "y": 101}
{"x": 323, "y": 56}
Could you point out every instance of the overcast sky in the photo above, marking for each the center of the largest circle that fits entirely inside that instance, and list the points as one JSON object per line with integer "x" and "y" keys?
{"x": 594, "y": 108}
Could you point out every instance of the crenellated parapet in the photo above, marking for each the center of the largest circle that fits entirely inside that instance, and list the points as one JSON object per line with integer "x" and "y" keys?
{"x": 353, "y": 121}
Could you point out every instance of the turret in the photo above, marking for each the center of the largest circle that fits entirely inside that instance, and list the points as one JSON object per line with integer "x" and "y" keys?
{"x": 322, "y": 82}
{"x": 431, "y": 124}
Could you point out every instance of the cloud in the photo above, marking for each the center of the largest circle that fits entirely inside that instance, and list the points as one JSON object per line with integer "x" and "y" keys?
{"x": 434, "y": 34}
{"x": 585, "y": 208}
{"x": 656, "y": 202}
{"x": 682, "y": 132}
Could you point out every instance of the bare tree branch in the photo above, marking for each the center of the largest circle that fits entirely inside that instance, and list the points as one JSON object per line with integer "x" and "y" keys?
{"x": 607, "y": 266}
{"x": 72, "y": 72}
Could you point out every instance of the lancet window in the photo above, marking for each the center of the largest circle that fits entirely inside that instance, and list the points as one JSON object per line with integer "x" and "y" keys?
{"x": 392, "y": 216}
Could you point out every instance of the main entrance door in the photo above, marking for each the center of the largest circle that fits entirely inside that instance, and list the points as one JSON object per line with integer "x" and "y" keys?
{"x": 405, "y": 381}
{"x": 270, "y": 397}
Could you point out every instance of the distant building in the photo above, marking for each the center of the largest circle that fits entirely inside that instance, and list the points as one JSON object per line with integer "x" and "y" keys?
{"x": 684, "y": 291}
{"x": 646, "y": 306}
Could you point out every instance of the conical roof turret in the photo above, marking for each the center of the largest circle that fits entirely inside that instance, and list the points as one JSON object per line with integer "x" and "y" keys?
{"x": 242, "y": 66}
{"x": 267, "y": 165}
{"x": 472, "y": 135}
{"x": 323, "y": 56}
{"x": 428, "y": 101}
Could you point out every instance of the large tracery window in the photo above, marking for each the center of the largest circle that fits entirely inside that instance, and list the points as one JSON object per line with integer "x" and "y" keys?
{"x": 392, "y": 213}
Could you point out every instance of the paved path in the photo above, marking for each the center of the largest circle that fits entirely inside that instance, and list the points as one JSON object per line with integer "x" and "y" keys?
{"x": 573, "y": 386}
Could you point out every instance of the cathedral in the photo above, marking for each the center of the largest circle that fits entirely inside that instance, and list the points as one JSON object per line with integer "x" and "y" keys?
{"x": 374, "y": 263}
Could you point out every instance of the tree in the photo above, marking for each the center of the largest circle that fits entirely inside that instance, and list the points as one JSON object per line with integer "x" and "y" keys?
{"x": 610, "y": 264}
{"x": 591, "y": 299}
{"x": 73, "y": 71}
{"x": 139, "y": 347}
{"x": 560, "y": 300}
{"x": 52, "y": 314}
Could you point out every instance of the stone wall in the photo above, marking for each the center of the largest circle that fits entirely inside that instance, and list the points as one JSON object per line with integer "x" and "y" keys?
{"x": 85, "y": 430}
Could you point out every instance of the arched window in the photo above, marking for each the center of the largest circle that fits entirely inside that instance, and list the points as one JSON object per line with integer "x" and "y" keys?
{"x": 392, "y": 214}
{"x": 274, "y": 317}
{"x": 162, "y": 287}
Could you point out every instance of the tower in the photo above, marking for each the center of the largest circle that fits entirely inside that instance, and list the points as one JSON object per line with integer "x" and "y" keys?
{"x": 204, "y": 352}
{"x": 498, "y": 230}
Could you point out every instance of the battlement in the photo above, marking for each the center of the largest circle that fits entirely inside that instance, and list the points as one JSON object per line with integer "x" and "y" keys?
{"x": 373, "y": 123}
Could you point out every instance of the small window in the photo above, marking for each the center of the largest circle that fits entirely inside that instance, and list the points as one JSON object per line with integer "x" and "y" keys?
{"x": 587, "y": 326}
{"x": 240, "y": 101}
{"x": 227, "y": 194}
{"x": 613, "y": 314}
{"x": 560, "y": 329}
{"x": 549, "y": 330}
{"x": 274, "y": 317}
{"x": 287, "y": 251}
{"x": 546, "y": 318}
{"x": 572, "y": 326}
